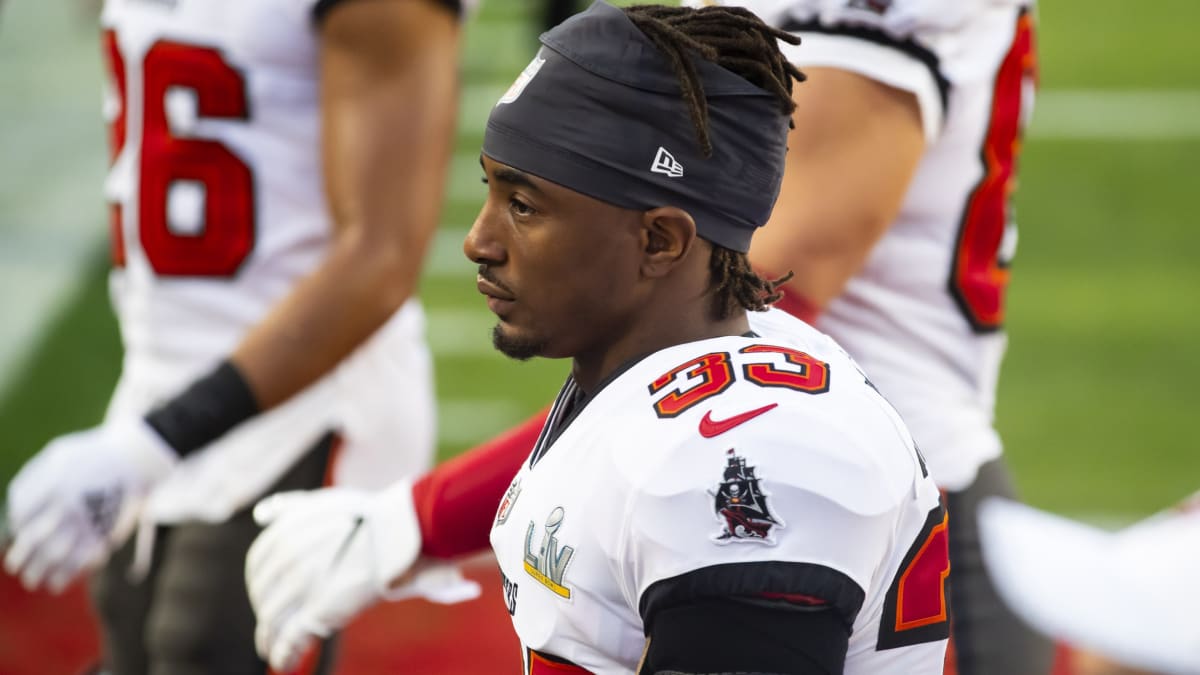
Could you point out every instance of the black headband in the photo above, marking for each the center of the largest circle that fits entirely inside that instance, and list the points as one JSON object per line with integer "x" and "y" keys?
{"x": 599, "y": 111}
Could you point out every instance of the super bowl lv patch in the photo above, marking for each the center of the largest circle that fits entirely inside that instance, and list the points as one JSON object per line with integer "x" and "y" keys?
{"x": 548, "y": 563}
{"x": 740, "y": 504}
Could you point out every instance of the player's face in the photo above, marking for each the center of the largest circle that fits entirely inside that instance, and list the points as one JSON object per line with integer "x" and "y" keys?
{"x": 559, "y": 269}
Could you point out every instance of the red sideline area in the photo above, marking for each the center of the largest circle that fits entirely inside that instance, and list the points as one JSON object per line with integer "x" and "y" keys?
{"x": 42, "y": 634}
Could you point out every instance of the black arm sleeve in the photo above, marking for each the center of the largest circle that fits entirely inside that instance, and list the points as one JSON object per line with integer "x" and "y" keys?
{"x": 783, "y": 618}
{"x": 746, "y": 635}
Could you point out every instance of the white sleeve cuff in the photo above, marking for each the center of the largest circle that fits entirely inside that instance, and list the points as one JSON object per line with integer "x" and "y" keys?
{"x": 882, "y": 63}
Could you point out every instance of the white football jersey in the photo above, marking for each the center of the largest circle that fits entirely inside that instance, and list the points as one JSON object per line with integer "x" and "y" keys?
{"x": 735, "y": 466}
{"x": 924, "y": 316}
{"x": 218, "y": 210}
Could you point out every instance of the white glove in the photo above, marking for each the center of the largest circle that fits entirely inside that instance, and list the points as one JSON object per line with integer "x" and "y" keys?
{"x": 79, "y": 498}
{"x": 326, "y": 555}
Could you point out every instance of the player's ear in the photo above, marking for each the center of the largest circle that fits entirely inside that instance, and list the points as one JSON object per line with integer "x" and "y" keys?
{"x": 668, "y": 233}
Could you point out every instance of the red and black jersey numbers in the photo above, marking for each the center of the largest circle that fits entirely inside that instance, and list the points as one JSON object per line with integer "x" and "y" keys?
{"x": 716, "y": 374}
{"x": 203, "y": 171}
{"x": 916, "y": 608}
{"x": 987, "y": 236}
{"x": 806, "y": 374}
{"x": 115, "y": 117}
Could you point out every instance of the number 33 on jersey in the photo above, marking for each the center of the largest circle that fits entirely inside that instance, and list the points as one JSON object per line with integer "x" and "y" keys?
{"x": 761, "y": 466}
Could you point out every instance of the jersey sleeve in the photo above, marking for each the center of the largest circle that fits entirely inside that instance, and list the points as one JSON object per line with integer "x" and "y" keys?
{"x": 901, "y": 43}
{"x": 788, "y": 511}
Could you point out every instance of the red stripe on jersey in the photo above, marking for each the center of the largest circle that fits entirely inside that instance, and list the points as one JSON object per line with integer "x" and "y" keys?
{"x": 795, "y": 598}
{"x": 457, "y": 500}
{"x": 543, "y": 664}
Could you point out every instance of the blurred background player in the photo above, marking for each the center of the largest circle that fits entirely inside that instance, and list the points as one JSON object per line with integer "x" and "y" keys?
{"x": 895, "y": 220}
{"x": 277, "y": 175}
{"x": 1126, "y": 599}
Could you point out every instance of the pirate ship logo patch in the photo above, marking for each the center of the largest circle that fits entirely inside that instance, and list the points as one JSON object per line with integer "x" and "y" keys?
{"x": 740, "y": 504}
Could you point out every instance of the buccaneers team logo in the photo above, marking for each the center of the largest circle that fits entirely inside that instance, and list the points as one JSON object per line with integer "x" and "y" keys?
{"x": 741, "y": 506}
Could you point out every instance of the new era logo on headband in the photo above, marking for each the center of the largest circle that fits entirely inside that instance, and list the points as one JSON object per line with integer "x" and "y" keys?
{"x": 665, "y": 163}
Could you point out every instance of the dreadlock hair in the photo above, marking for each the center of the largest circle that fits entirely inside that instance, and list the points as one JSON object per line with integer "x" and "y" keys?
{"x": 735, "y": 284}
{"x": 737, "y": 40}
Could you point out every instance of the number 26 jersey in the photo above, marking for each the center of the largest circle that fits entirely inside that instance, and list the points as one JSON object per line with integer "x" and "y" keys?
{"x": 215, "y": 191}
{"x": 217, "y": 209}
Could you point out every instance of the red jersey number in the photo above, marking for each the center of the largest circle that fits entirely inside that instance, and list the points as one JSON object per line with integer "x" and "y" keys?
{"x": 808, "y": 374}
{"x": 915, "y": 609}
{"x": 979, "y": 276}
{"x": 223, "y": 237}
{"x": 116, "y": 134}
{"x": 716, "y": 374}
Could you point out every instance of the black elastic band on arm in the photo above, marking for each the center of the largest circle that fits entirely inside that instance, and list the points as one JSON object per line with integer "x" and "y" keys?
{"x": 774, "y": 578}
{"x": 321, "y": 9}
{"x": 908, "y": 46}
{"x": 207, "y": 409}
{"x": 729, "y": 635}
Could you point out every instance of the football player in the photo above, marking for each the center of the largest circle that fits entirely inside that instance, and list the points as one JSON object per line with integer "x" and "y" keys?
{"x": 277, "y": 174}
{"x": 712, "y": 492}
{"x": 895, "y": 216}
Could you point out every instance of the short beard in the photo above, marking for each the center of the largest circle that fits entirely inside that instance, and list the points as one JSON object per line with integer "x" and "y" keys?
{"x": 521, "y": 349}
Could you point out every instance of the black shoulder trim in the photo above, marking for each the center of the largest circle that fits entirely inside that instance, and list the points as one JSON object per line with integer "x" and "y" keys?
{"x": 321, "y": 9}
{"x": 908, "y": 46}
{"x": 755, "y": 579}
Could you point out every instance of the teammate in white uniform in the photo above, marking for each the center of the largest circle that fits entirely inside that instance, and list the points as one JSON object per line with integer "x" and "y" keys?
{"x": 701, "y": 498}
{"x": 276, "y": 178}
{"x": 895, "y": 216}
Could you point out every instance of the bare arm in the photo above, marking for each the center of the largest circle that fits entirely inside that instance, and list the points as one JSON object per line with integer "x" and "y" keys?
{"x": 850, "y": 159}
{"x": 388, "y": 105}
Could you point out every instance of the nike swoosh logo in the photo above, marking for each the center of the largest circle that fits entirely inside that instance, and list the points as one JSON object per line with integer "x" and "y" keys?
{"x": 710, "y": 427}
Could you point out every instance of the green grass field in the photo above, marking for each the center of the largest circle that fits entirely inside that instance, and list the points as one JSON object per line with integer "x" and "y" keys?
{"x": 1097, "y": 391}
